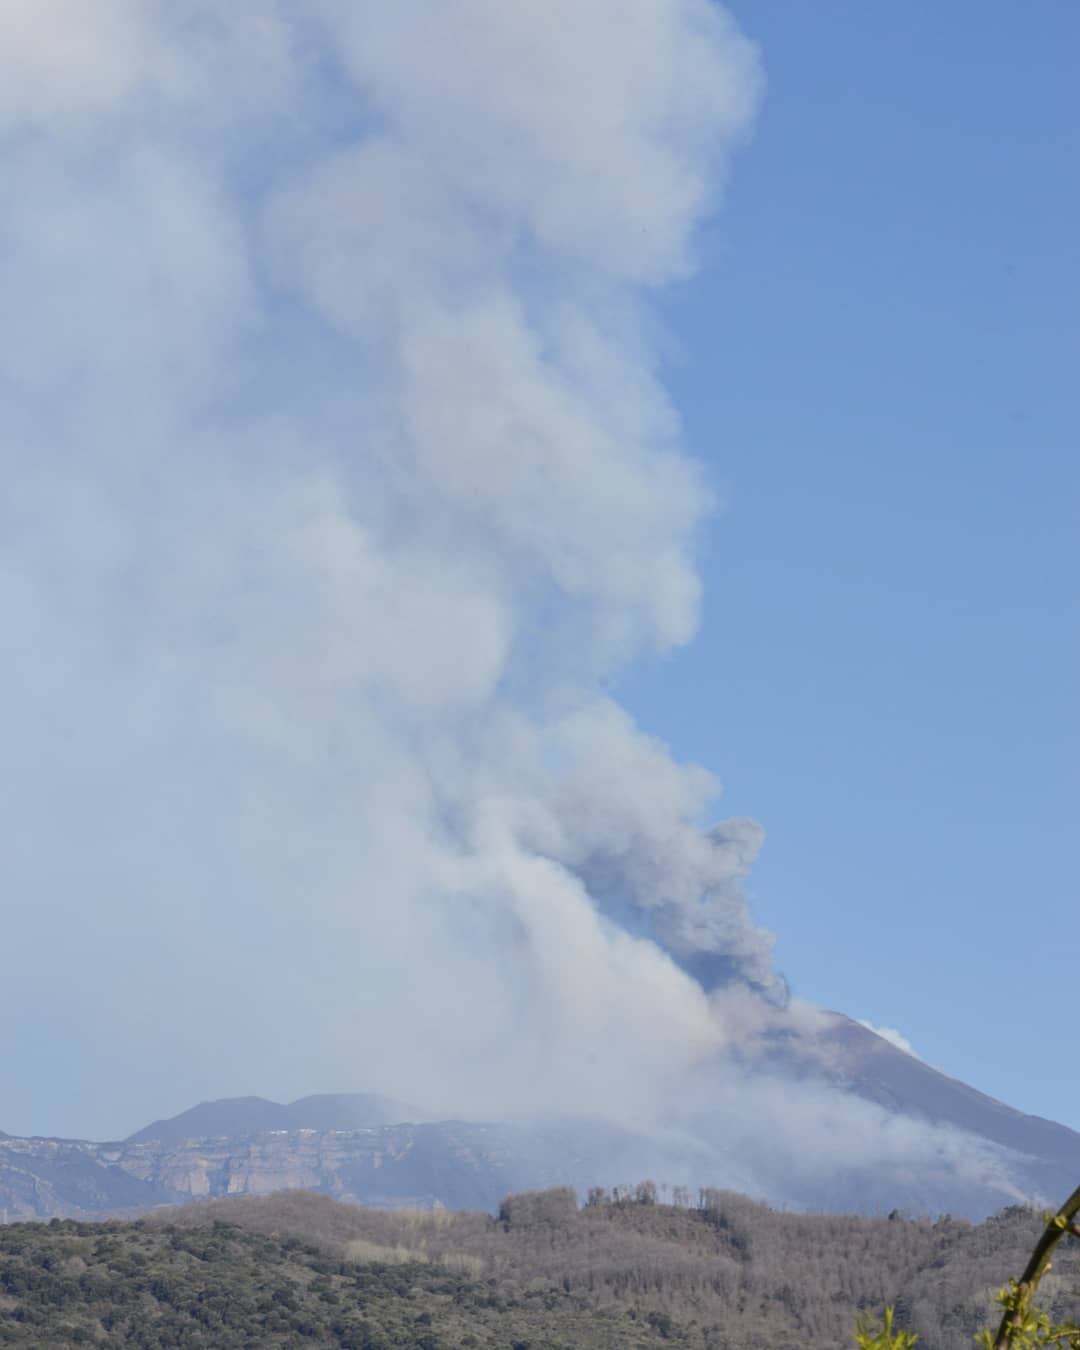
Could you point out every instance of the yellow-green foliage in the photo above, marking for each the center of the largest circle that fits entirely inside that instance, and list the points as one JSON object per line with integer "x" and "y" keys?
{"x": 1028, "y": 1326}
{"x": 1023, "y": 1326}
{"x": 871, "y": 1334}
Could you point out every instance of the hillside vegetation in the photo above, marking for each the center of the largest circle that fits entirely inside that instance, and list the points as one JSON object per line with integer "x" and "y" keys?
{"x": 299, "y": 1269}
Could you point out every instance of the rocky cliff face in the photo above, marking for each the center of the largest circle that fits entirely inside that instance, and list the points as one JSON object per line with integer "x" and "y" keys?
{"x": 46, "y": 1178}
{"x": 457, "y": 1165}
{"x": 346, "y": 1146}
{"x": 391, "y": 1165}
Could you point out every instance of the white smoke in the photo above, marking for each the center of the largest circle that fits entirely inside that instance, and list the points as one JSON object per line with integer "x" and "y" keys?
{"x": 890, "y": 1034}
{"x": 338, "y": 483}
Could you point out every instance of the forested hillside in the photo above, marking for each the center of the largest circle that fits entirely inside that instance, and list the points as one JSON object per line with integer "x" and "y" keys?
{"x": 296, "y": 1269}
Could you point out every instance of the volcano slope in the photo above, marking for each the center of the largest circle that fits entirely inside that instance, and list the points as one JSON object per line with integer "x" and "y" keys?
{"x": 833, "y": 1118}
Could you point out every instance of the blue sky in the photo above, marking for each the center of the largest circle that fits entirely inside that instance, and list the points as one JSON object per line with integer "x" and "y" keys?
{"x": 879, "y": 365}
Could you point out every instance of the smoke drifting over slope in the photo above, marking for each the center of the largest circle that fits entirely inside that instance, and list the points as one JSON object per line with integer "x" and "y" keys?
{"x": 339, "y": 479}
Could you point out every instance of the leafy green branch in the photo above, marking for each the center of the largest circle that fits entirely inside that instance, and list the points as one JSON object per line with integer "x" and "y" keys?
{"x": 1023, "y": 1326}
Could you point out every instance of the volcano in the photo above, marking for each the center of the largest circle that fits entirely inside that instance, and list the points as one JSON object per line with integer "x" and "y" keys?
{"x": 977, "y": 1156}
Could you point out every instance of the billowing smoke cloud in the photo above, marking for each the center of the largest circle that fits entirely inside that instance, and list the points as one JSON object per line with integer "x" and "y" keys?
{"x": 338, "y": 483}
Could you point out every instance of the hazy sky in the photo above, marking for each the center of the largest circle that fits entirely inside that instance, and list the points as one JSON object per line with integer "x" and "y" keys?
{"x": 368, "y": 387}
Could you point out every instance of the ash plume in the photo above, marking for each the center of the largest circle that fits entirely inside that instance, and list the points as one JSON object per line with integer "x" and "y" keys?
{"x": 339, "y": 483}
{"x": 340, "y": 480}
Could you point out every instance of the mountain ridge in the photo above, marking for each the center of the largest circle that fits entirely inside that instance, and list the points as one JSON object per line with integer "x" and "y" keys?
{"x": 241, "y": 1116}
{"x": 910, "y": 1084}
{"x": 352, "y": 1147}
{"x": 913, "y": 1069}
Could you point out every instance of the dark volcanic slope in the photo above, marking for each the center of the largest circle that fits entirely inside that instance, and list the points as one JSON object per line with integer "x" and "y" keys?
{"x": 876, "y": 1069}
{"x": 1042, "y": 1161}
{"x": 857, "y": 1059}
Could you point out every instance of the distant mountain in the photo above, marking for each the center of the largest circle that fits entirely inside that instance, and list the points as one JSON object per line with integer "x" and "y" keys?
{"x": 237, "y": 1117}
{"x": 42, "y": 1178}
{"x": 455, "y": 1164}
{"x": 378, "y": 1152}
